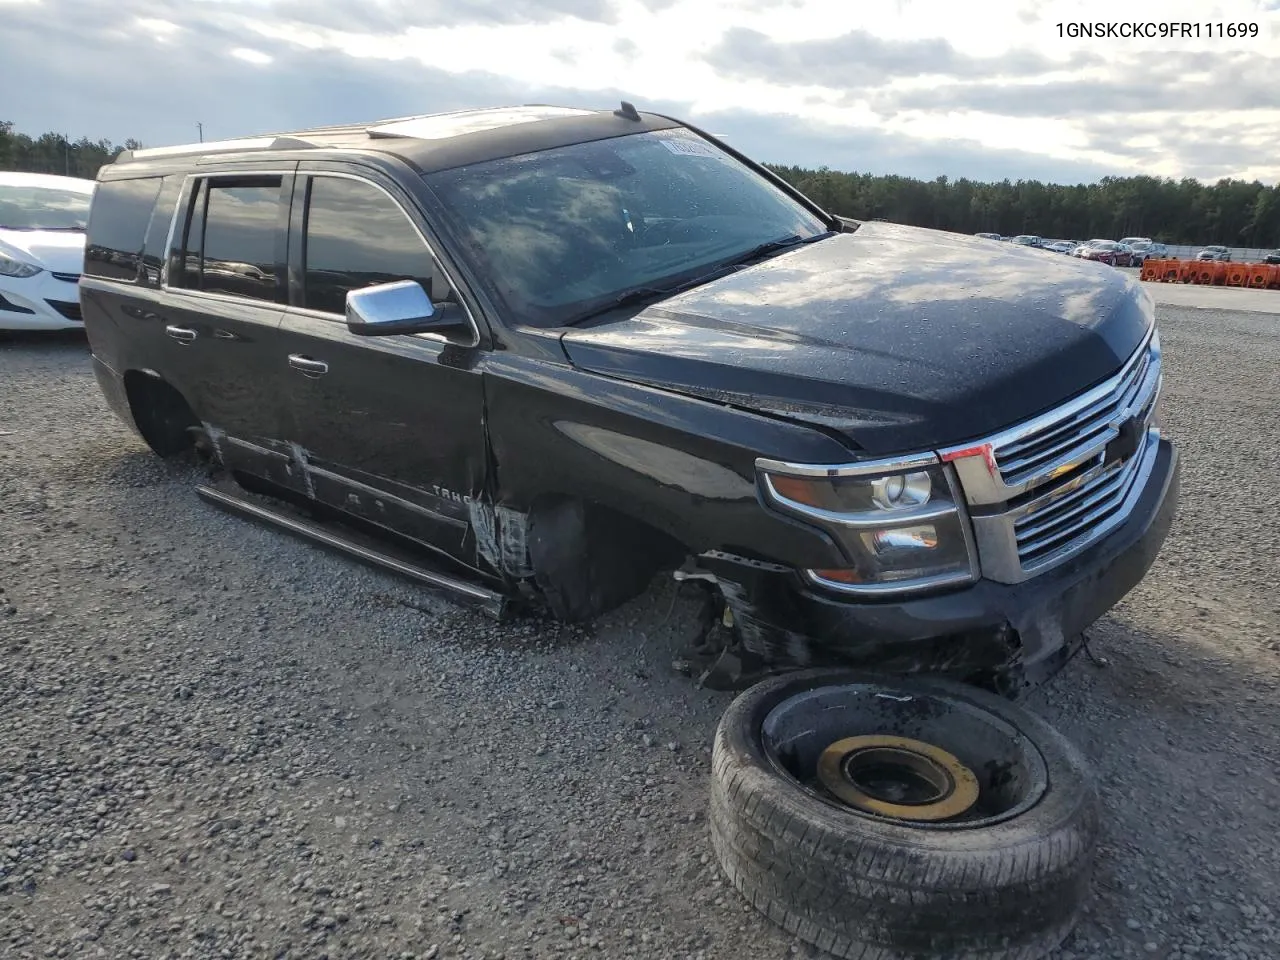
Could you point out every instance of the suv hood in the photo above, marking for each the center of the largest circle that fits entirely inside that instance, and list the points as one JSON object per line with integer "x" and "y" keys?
{"x": 898, "y": 338}
{"x": 56, "y": 250}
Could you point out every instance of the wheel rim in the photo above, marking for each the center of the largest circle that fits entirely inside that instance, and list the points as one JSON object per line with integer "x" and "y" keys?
{"x": 897, "y": 777}
{"x": 905, "y": 755}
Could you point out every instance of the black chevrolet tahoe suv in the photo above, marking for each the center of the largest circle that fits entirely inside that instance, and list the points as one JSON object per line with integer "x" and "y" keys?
{"x": 560, "y": 351}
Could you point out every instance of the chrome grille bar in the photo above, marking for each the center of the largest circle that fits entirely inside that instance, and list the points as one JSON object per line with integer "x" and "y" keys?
{"x": 1077, "y": 433}
{"x": 1013, "y": 462}
{"x": 1056, "y": 528}
{"x": 1049, "y": 486}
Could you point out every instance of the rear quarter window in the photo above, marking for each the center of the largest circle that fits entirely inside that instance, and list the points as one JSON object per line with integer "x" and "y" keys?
{"x": 118, "y": 221}
{"x": 155, "y": 248}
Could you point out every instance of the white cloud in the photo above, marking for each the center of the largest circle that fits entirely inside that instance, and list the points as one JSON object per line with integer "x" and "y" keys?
{"x": 870, "y": 84}
{"x": 161, "y": 30}
{"x": 249, "y": 55}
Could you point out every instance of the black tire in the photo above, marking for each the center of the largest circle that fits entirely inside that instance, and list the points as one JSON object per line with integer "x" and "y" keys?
{"x": 161, "y": 414}
{"x": 859, "y": 886}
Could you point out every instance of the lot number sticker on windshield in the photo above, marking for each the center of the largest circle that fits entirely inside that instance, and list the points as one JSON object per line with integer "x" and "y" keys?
{"x": 692, "y": 148}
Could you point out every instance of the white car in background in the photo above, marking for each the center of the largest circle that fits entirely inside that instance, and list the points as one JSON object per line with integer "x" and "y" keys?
{"x": 42, "y": 223}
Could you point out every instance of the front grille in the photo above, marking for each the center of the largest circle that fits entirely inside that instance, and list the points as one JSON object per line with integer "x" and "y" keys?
{"x": 1043, "y": 491}
{"x": 1063, "y": 522}
{"x": 1085, "y": 428}
{"x": 67, "y": 277}
{"x": 67, "y": 308}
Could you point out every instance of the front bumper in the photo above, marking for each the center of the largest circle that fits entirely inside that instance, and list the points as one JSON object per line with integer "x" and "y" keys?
{"x": 47, "y": 301}
{"x": 1003, "y": 635}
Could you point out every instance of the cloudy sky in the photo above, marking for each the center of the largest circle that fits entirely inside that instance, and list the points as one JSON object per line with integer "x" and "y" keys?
{"x": 979, "y": 88}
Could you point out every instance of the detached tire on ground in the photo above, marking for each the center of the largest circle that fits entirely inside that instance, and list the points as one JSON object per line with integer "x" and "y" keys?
{"x": 888, "y": 819}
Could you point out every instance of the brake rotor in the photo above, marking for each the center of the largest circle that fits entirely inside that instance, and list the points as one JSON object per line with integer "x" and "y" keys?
{"x": 897, "y": 777}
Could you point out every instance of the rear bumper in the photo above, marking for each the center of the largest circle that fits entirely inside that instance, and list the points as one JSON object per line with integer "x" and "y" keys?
{"x": 1008, "y": 635}
{"x": 113, "y": 391}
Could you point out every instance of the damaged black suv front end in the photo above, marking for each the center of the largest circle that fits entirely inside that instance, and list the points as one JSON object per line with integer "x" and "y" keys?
{"x": 985, "y": 561}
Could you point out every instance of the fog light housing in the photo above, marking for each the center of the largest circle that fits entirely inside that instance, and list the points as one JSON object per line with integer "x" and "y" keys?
{"x": 902, "y": 540}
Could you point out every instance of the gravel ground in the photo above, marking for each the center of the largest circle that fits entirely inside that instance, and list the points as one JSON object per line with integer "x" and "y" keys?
{"x": 216, "y": 741}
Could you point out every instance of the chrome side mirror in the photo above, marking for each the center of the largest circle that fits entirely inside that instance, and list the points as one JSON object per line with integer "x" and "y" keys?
{"x": 391, "y": 308}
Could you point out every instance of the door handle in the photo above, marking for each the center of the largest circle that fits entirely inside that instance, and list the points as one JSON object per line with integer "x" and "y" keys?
{"x": 312, "y": 368}
{"x": 181, "y": 334}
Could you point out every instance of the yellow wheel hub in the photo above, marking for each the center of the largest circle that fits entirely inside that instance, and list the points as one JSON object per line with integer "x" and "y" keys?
{"x": 898, "y": 777}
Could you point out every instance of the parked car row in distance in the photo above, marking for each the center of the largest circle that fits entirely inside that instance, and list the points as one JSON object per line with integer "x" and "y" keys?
{"x": 1126, "y": 252}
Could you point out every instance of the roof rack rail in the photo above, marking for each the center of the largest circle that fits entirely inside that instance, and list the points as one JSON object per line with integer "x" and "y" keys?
{"x": 217, "y": 146}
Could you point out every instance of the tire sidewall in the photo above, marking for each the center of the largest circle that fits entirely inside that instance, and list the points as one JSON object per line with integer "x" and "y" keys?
{"x": 1069, "y": 802}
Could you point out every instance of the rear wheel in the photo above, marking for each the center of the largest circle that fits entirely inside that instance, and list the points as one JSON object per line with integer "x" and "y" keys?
{"x": 161, "y": 414}
{"x": 887, "y": 819}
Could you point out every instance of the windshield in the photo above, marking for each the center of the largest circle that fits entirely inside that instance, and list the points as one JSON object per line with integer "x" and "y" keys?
{"x": 43, "y": 208}
{"x": 564, "y": 232}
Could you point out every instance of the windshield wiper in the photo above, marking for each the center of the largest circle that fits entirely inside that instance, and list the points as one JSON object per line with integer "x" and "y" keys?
{"x": 646, "y": 294}
{"x": 625, "y": 299}
{"x": 776, "y": 246}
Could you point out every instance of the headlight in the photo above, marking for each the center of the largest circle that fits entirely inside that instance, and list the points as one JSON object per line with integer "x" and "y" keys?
{"x": 899, "y": 522}
{"x": 9, "y": 267}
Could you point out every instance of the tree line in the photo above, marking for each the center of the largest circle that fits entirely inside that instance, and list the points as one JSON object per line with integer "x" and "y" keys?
{"x": 56, "y": 153}
{"x": 1233, "y": 212}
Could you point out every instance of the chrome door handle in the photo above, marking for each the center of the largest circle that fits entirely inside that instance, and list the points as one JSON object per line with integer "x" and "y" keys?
{"x": 312, "y": 368}
{"x": 181, "y": 334}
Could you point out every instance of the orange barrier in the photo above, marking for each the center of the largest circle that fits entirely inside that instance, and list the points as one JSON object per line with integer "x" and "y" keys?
{"x": 1258, "y": 276}
{"x": 1209, "y": 272}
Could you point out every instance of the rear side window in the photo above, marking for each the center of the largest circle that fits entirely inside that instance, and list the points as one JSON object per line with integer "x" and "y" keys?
{"x": 229, "y": 244}
{"x": 118, "y": 223}
{"x": 357, "y": 236}
{"x": 154, "y": 247}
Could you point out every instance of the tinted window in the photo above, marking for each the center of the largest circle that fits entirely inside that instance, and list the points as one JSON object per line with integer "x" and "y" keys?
{"x": 118, "y": 226}
{"x": 153, "y": 249}
{"x": 229, "y": 241}
{"x": 563, "y": 231}
{"x": 240, "y": 227}
{"x": 357, "y": 236}
{"x": 192, "y": 241}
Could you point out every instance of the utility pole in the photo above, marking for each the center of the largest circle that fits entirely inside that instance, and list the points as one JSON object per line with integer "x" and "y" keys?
{"x": 66, "y": 154}
{"x": 200, "y": 129}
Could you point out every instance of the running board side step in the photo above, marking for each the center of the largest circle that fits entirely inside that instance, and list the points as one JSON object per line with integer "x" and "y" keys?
{"x": 487, "y": 601}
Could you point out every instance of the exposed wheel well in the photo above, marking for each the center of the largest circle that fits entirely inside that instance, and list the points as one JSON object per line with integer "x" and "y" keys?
{"x": 161, "y": 414}
{"x": 588, "y": 558}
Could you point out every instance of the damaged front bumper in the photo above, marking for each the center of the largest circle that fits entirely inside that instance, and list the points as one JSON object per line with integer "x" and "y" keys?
{"x": 1005, "y": 636}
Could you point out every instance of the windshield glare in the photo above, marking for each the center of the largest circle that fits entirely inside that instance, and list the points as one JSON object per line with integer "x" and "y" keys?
{"x": 43, "y": 208}
{"x": 563, "y": 231}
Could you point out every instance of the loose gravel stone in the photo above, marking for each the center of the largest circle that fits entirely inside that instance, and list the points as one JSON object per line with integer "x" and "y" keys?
{"x": 216, "y": 741}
